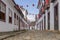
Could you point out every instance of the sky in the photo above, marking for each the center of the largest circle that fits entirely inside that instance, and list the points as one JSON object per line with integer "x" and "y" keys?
{"x": 31, "y": 9}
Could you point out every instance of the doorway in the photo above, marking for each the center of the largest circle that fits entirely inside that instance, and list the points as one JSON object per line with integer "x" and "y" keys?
{"x": 56, "y": 17}
{"x": 49, "y": 21}
{"x": 44, "y": 22}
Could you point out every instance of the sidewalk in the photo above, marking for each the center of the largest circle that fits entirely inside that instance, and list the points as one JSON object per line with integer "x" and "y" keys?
{"x": 5, "y": 35}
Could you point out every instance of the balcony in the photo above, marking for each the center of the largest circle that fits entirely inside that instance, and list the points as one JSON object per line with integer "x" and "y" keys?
{"x": 53, "y": 0}
{"x": 43, "y": 10}
{"x": 47, "y": 4}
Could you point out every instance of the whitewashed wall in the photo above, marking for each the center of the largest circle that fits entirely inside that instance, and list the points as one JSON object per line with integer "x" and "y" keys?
{"x": 37, "y": 27}
{"x": 6, "y": 26}
{"x": 59, "y": 13}
{"x": 51, "y": 10}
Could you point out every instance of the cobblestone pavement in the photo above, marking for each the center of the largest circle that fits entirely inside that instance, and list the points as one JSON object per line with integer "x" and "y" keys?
{"x": 36, "y": 35}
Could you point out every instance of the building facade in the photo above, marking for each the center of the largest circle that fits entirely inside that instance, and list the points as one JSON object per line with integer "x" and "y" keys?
{"x": 50, "y": 15}
{"x": 10, "y": 16}
{"x": 25, "y": 13}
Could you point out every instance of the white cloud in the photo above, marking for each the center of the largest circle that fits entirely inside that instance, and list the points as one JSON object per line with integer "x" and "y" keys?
{"x": 31, "y": 17}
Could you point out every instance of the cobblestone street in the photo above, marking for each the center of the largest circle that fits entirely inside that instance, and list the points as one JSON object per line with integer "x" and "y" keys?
{"x": 36, "y": 35}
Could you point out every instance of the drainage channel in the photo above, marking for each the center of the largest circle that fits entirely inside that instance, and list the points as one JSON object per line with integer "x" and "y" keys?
{"x": 10, "y": 36}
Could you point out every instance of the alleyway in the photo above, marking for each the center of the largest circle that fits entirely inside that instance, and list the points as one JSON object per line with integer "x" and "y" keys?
{"x": 23, "y": 19}
{"x": 36, "y": 35}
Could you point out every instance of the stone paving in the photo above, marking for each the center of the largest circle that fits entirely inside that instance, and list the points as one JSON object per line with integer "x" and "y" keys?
{"x": 36, "y": 35}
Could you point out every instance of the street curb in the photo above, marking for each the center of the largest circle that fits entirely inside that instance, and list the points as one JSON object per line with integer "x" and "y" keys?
{"x": 55, "y": 31}
{"x": 11, "y": 35}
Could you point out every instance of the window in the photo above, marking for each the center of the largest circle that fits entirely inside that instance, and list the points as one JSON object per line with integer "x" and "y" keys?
{"x": 2, "y": 7}
{"x": 10, "y": 20}
{"x": 14, "y": 15}
{"x": 2, "y": 11}
{"x": 2, "y": 17}
{"x": 10, "y": 16}
{"x": 15, "y": 18}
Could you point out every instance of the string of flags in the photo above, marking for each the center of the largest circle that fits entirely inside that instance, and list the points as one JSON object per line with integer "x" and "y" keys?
{"x": 28, "y": 5}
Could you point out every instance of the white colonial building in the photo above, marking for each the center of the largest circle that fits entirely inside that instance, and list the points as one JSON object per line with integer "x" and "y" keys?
{"x": 50, "y": 18}
{"x": 10, "y": 16}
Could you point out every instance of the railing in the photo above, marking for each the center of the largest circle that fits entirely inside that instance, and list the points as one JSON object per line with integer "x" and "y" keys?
{"x": 53, "y": 0}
